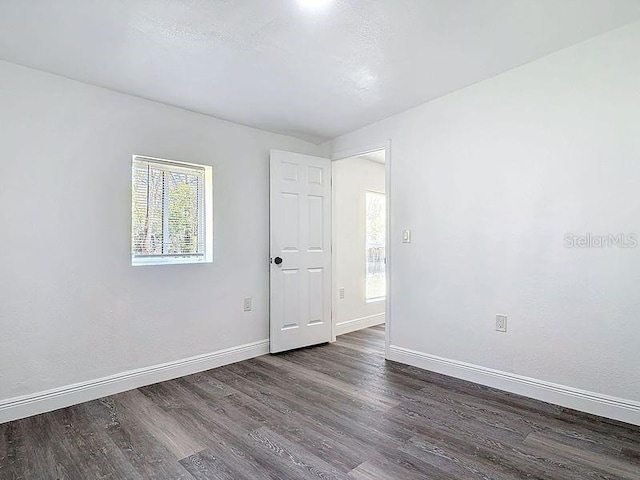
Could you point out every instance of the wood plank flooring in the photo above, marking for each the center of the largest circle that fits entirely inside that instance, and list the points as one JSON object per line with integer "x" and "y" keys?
{"x": 335, "y": 411}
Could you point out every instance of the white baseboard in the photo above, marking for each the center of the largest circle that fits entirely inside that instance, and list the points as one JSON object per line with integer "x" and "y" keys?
{"x": 585, "y": 401}
{"x": 41, "y": 402}
{"x": 359, "y": 323}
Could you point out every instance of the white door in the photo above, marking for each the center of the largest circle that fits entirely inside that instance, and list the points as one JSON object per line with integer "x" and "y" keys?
{"x": 300, "y": 219}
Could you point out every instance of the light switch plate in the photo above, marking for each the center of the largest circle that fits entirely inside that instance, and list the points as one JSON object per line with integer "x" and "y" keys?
{"x": 406, "y": 236}
{"x": 247, "y": 304}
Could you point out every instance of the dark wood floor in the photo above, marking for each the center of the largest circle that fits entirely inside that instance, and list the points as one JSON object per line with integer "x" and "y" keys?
{"x": 334, "y": 411}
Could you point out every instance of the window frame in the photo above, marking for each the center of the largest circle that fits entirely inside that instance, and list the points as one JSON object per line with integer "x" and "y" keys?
{"x": 207, "y": 215}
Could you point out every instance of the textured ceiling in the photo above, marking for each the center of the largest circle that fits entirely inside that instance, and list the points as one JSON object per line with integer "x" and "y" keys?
{"x": 314, "y": 73}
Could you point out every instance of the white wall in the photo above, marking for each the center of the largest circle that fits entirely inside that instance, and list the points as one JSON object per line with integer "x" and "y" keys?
{"x": 490, "y": 178}
{"x": 352, "y": 178}
{"x": 72, "y": 308}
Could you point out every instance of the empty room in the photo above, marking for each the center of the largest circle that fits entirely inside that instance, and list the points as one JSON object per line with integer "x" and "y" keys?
{"x": 337, "y": 239}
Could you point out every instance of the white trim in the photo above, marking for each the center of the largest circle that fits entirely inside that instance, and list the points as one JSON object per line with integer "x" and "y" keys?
{"x": 46, "y": 401}
{"x": 168, "y": 259}
{"x": 187, "y": 166}
{"x": 359, "y": 323}
{"x": 358, "y": 152}
{"x": 354, "y": 152}
{"x": 570, "y": 397}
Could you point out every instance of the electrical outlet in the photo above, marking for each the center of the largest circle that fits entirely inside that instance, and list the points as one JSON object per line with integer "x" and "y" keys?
{"x": 501, "y": 323}
{"x": 247, "y": 304}
{"x": 341, "y": 293}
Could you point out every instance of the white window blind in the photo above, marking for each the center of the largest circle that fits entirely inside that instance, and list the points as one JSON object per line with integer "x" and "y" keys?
{"x": 168, "y": 212}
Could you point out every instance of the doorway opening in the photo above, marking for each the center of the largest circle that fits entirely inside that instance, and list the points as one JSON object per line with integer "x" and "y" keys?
{"x": 359, "y": 247}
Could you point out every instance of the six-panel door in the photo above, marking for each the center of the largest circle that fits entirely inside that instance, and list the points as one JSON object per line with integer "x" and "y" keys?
{"x": 300, "y": 223}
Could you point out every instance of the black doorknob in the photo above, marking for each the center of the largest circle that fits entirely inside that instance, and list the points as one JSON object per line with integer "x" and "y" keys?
{"x": 277, "y": 260}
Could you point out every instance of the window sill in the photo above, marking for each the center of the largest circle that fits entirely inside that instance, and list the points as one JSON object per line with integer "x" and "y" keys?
{"x": 375, "y": 300}
{"x": 143, "y": 262}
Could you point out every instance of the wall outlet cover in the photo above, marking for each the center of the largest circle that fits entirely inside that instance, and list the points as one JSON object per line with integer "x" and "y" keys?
{"x": 247, "y": 304}
{"x": 501, "y": 323}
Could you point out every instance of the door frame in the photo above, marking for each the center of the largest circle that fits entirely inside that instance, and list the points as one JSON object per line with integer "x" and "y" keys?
{"x": 353, "y": 152}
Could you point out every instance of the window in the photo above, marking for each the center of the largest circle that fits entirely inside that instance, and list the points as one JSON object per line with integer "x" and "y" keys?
{"x": 172, "y": 212}
{"x": 376, "y": 226}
